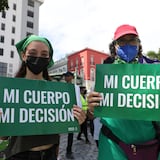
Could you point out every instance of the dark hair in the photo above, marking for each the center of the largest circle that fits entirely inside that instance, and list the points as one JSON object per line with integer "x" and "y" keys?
{"x": 22, "y": 72}
{"x": 68, "y": 73}
{"x": 109, "y": 60}
{"x": 113, "y": 49}
{"x": 82, "y": 87}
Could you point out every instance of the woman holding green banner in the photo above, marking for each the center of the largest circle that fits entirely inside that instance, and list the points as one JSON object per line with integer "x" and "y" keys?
{"x": 36, "y": 55}
{"x": 119, "y": 137}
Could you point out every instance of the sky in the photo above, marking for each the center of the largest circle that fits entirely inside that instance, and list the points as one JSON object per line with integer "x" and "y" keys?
{"x": 72, "y": 25}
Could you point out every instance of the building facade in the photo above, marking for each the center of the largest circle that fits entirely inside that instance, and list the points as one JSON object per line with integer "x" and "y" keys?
{"x": 83, "y": 64}
{"x": 20, "y": 20}
{"x": 58, "y": 69}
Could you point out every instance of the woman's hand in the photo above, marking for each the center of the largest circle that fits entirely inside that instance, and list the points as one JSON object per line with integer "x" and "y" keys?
{"x": 79, "y": 114}
{"x": 94, "y": 99}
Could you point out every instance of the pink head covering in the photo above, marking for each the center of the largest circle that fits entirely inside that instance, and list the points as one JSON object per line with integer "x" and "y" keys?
{"x": 123, "y": 30}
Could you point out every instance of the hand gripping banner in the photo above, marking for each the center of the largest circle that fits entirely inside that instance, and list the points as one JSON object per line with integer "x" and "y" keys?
{"x": 34, "y": 107}
{"x": 129, "y": 91}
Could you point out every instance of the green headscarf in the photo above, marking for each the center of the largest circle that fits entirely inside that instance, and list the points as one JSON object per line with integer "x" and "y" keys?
{"x": 21, "y": 45}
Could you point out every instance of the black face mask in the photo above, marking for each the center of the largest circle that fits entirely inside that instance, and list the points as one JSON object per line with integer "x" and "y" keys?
{"x": 37, "y": 64}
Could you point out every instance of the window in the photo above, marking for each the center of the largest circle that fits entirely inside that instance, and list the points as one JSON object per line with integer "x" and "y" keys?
{"x": 14, "y": 6}
{"x": 13, "y": 30}
{"x": 3, "y": 69}
{"x": 1, "y": 51}
{"x": 82, "y": 74}
{"x": 60, "y": 70}
{"x": 10, "y": 68}
{"x": 13, "y": 18}
{"x": 92, "y": 60}
{"x": 29, "y": 24}
{"x": 2, "y": 26}
{"x": 31, "y": 3}
{"x": 12, "y": 54}
{"x": 82, "y": 61}
{"x": 10, "y": 65}
{"x": 3, "y": 14}
{"x": 12, "y": 42}
{"x": 30, "y": 14}
{"x": 28, "y": 33}
{"x": 2, "y": 39}
{"x": 102, "y": 60}
{"x": 76, "y": 62}
{"x": 71, "y": 64}
{"x": 92, "y": 74}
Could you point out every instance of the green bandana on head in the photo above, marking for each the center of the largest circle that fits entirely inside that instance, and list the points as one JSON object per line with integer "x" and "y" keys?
{"x": 21, "y": 46}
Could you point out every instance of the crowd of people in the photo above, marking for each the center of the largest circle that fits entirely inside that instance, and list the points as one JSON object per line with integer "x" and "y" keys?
{"x": 36, "y": 54}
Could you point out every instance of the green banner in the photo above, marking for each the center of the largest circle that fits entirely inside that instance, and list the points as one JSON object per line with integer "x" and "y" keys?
{"x": 129, "y": 91}
{"x": 35, "y": 107}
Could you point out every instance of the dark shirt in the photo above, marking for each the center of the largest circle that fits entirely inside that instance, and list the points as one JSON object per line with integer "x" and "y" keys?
{"x": 19, "y": 144}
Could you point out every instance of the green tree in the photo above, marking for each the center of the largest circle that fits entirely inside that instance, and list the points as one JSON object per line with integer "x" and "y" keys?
{"x": 3, "y": 5}
{"x": 153, "y": 55}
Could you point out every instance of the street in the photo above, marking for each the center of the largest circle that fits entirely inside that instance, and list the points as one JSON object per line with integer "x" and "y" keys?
{"x": 81, "y": 150}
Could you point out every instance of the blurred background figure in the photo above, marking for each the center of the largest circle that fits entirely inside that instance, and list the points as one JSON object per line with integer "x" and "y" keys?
{"x": 68, "y": 77}
{"x": 97, "y": 128}
{"x": 84, "y": 125}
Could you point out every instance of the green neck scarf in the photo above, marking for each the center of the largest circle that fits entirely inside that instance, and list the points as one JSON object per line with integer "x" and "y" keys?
{"x": 120, "y": 61}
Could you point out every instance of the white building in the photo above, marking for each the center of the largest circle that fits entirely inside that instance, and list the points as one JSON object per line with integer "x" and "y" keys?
{"x": 20, "y": 20}
{"x": 59, "y": 67}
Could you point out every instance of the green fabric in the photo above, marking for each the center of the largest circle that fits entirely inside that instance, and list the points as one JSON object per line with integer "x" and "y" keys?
{"x": 130, "y": 131}
{"x": 21, "y": 45}
{"x": 120, "y": 61}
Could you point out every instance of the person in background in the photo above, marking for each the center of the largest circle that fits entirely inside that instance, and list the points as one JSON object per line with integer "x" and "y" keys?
{"x": 84, "y": 125}
{"x": 69, "y": 76}
{"x": 90, "y": 121}
{"x": 125, "y": 48}
{"x": 97, "y": 128}
{"x": 36, "y": 54}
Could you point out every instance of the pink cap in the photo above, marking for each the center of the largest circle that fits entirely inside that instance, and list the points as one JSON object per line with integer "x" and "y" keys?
{"x": 123, "y": 30}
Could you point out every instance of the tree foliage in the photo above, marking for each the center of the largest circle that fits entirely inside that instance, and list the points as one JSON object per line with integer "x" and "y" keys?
{"x": 3, "y": 5}
{"x": 153, "y": 54}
